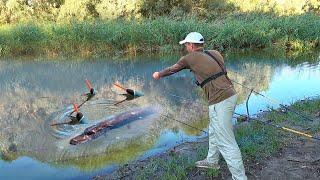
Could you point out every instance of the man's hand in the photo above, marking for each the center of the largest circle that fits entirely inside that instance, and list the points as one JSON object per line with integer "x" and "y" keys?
{"x": 156, "y": 75}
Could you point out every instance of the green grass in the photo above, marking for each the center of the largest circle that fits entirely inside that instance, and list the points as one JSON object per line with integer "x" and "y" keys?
{"x": 122, "y": 38}
{"x": 257, "y": 141}
{"x": 173, "y": 167}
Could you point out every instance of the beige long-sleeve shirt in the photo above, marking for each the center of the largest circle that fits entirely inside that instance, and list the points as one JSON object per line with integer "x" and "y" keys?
{"x": 203, "y": 66}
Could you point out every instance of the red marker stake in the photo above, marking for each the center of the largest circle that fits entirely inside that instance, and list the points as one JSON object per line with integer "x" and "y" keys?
{"x": 89, "y": 84}
{"x": 75, "y": 108}
{"x": 119, "y": 85}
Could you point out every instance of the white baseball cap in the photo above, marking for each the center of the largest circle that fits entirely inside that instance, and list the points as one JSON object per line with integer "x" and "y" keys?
{"x": 193, "y": 37}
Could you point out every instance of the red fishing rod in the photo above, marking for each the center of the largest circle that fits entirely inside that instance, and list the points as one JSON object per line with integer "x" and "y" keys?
{"x": 89, "y": 95}
{"x": 91, "y": 90}
{"x": 79, "y": 116}
{"x": 74, "y": 119}
{"x": 130, "y": 93}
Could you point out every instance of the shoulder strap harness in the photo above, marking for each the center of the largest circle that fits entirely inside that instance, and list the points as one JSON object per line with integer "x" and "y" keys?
{"x": 214, "y": 76}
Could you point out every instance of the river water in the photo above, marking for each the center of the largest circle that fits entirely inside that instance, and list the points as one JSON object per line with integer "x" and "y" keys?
{"x": 39, "y": 92}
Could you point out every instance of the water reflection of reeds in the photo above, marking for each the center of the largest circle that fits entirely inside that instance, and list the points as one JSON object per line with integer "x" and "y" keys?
{"x": 253, "y": 76}
{"x": 26, "y": 117}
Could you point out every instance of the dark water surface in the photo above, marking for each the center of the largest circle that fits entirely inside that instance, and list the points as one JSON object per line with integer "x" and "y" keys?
{"x": 36, "y": 93}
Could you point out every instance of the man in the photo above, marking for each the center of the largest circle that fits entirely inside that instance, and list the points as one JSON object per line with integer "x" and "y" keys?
{"x": 210, "y": 73}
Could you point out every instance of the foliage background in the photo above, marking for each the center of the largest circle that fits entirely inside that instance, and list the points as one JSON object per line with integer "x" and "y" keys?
{"x": 62, "y": 11}
{"x": 113, "y": 27}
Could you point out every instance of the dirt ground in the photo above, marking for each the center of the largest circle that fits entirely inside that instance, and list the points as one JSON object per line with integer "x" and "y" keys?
{"x": 298, "y": 159}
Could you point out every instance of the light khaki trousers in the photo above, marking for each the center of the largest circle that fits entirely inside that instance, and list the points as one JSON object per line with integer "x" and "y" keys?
{"x": 221, "y": 137}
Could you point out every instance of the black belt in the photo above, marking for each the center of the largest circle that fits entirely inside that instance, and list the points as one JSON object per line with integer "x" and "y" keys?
{"x": 212, "y": 77}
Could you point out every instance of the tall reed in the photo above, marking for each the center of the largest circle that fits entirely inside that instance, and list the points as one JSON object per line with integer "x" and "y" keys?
{"x": 100, "y": 38}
